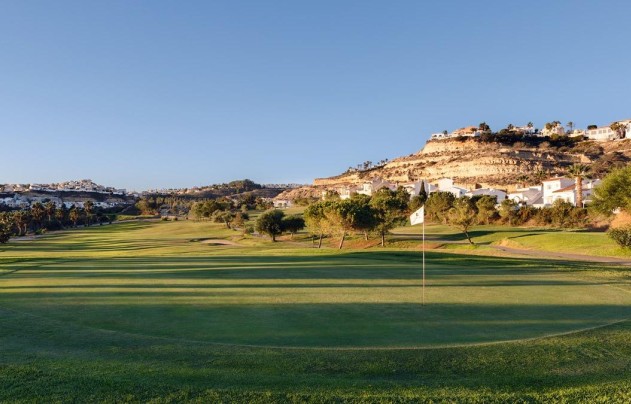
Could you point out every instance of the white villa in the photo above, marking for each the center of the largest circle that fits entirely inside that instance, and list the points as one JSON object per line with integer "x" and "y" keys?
{"x": 552, "y": 185}
{"x": 447, "y": 185}
{"x": 568, "y": 193}
{"x": 565, "y": 189}
{"x": 440, "y": 135}
{"x": 526, "y": 130}
{"x": 373, "y": 185}
{"x": 531, "y": 196}
{"x": 604, "y": 133}
{"x": 282, "y": 203}
{"x": 468, "y": 131}
{"x": 497, "y": 193}
{"x": 414, "y": 188}
{"x": 555, "y": 130}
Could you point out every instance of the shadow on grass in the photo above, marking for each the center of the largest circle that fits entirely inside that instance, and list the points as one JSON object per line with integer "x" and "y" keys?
{"x": 373, "y": 265}
{"x": 332, "y": 324}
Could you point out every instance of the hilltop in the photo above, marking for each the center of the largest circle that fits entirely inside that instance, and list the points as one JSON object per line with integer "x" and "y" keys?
{"x": 502, "y": 162}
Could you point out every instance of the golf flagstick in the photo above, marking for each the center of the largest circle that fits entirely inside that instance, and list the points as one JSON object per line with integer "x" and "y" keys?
{"x": 423, "y": 262}
{"x": 418, "y": 217}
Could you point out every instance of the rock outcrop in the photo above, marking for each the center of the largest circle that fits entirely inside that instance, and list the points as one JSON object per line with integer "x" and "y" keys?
{"x": 474, "y": 163}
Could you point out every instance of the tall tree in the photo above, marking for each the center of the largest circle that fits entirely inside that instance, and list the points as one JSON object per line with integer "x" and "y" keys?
{"x": 578, "y": 171}
{"x": 348, "y": 215}
{"x": 315, "y": 219}
{"x": 438, "y": 204}
{"x": 508, "y": 210}
{"x": 50, "y": 208}
{"x": 60, "y": 215}
{"x": 422, "y": 193}
{"x": 38, "y": 211}
{"x": 390, "y": 210}
{"x": 538, "y": 176}
{"x": 462, "y": 215}
{"x": 270, "y": 223}
{"x": 88, "y": 208}
{"x": 6, "y": 227}
{"x": 486, "y": 208}
{"x": 74, "y": 215}
{"x": 614, "y": 192}
{"x": 363, "y": 218}
{"x": 570, "y": 126}
{"x": 22, "y": 219}
{"x": 522, "y": 180}
{"x": 293, "y": 224}
{"x": 619, "y": 128}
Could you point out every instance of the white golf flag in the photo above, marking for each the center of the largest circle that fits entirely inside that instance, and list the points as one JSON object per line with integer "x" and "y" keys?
{"x": 418, "y": 217}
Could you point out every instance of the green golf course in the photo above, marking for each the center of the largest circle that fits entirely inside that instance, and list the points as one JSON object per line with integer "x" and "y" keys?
{"x": 176, "y": 311}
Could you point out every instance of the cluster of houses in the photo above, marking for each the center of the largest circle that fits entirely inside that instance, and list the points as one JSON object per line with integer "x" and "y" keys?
{"x": 25, "y": 195}
{"x": 22, "y": 201}
{"x": 593, "y": 132}
{"x": 537, "y": 196}
{"x": 68, "y": 186}
{"x": 195, "y": 190}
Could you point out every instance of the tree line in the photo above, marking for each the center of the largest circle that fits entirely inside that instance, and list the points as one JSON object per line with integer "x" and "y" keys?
{"x": 183, "y": 205}
{"x": 41, "y": 217}
{"x": 385, "y": 209}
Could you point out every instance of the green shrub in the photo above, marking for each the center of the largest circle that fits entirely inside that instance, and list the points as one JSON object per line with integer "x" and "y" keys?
{"x": 621, "y": 235}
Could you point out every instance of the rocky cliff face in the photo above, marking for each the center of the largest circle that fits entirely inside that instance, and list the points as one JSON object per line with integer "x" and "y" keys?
{"x": 475, "y": 163}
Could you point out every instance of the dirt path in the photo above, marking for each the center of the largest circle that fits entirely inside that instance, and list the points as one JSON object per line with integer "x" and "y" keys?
{"x": 562, "y": 256}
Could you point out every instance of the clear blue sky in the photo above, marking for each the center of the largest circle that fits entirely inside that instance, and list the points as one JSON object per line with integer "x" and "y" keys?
{"x": 144, "y": 94}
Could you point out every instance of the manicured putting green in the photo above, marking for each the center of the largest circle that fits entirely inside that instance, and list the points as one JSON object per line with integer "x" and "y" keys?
{"x": 354, "y": 299}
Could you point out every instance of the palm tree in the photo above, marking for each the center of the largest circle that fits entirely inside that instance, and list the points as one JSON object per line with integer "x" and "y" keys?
{"x": 522, "y": 180}
{"x": 50, "y": 208}
{"x": 88, "y": 208}
{"x": 539, "y": 175}
{"x": 578, "y": 171}
{"x": 570, "y": 126}
{"x": 60, "y": 215}
{"x": 38, "y": 211}
{"x": 619, "y": 129}
{"x": 22, "y": 219}
{"x": 74, "y": 215}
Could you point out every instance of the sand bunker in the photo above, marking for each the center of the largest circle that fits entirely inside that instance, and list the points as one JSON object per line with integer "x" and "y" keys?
{"x": 216, "y": 241}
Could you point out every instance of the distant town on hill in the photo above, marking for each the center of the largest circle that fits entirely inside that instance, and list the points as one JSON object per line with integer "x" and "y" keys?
{"x": 77, "y": 192}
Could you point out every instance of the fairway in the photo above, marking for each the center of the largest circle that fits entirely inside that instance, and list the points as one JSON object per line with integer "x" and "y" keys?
{"x": 151, "y": 280}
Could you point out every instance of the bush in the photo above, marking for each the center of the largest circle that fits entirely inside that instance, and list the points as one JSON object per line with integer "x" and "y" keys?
{"x": 621, "y": 235}
{"x": 248, "y": 229}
